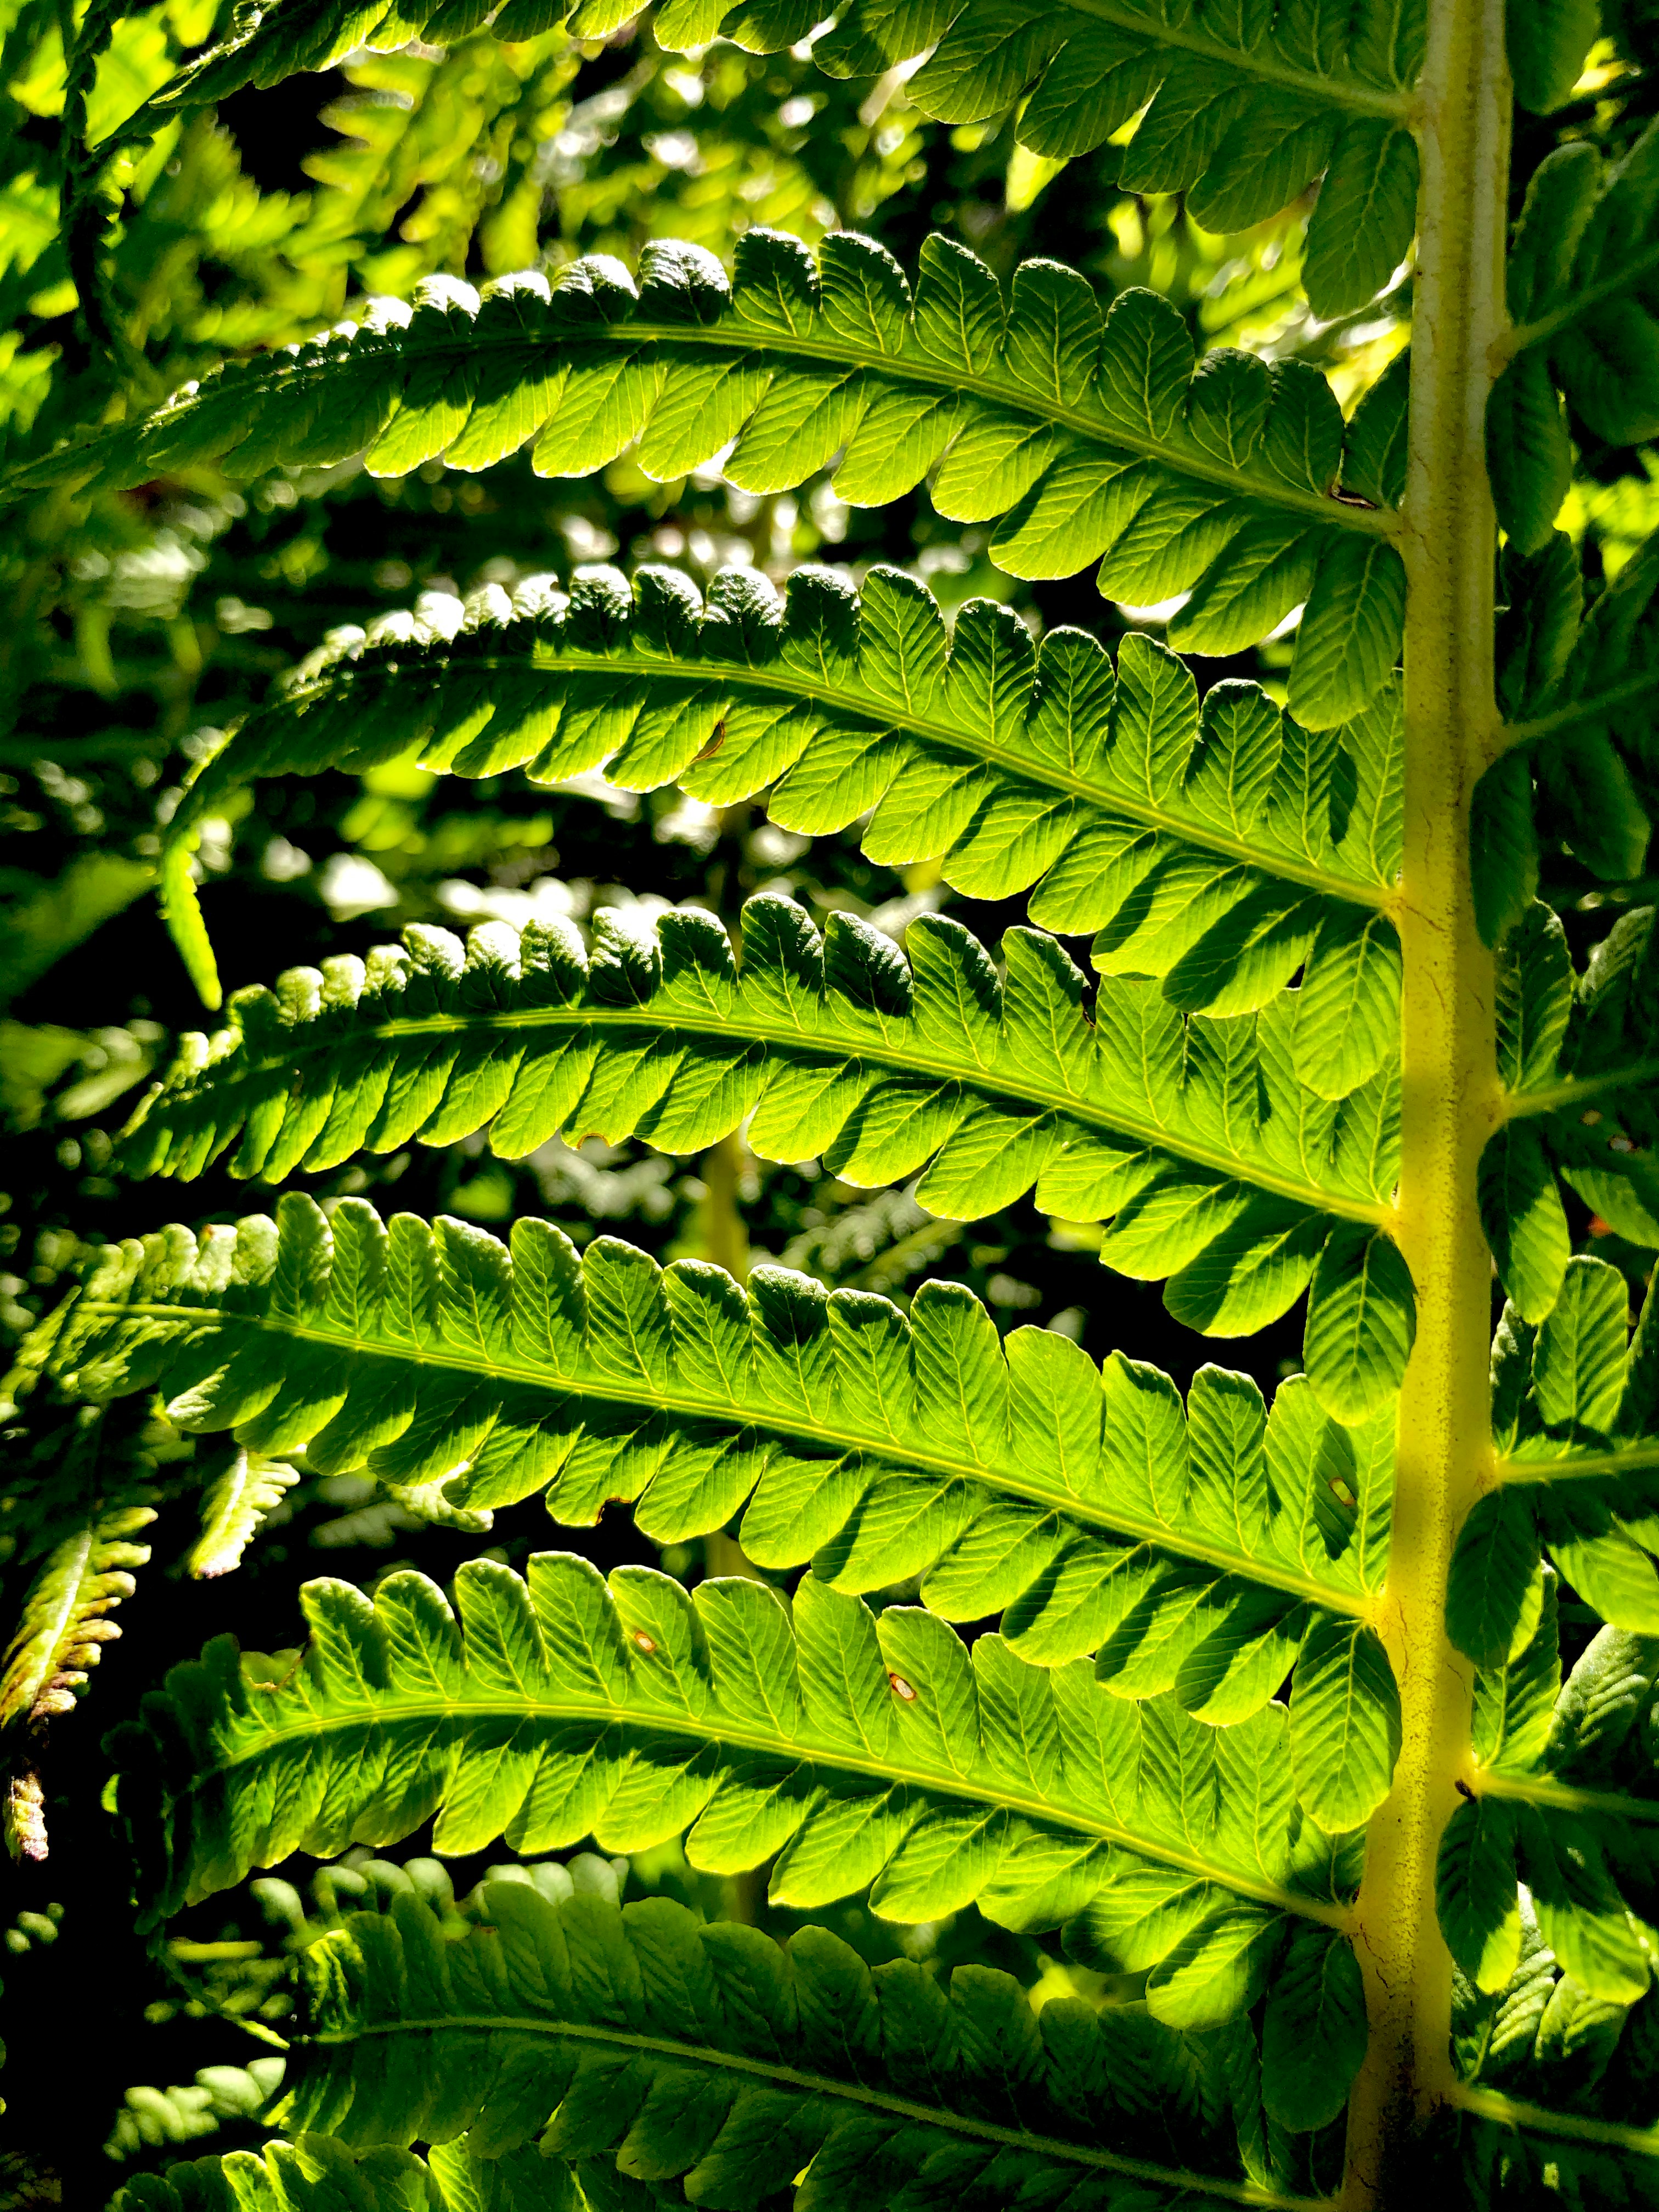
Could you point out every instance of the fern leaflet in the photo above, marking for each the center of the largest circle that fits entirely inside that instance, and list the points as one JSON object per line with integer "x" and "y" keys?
{"x": 710, "y": 2055}
{"x": 1201, "y": 1554}
{"x": 1173, "y": 832}
{"x": 66, "y": 1615}
{"x": 1577, "y": 1056}
{"x": 1579, "y": 273}
{"x": 1086, "y": 439}
{"x": 317, "y": 2174}
{"x": 851, "y": 1748}
{"x": 1563, "y": 1799}
{"x": 1247, "y": 111}
{"x": 1223, "y": 1175}
{"x": 1571, "y": 776}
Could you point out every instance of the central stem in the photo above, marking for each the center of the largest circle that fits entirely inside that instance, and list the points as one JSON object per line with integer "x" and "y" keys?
{"x": 1449, "y": 1088}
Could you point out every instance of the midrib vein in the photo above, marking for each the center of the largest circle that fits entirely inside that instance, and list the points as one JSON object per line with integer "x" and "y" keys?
{"x": 824, "y": 2085}
{"x": 1580, "y": 1465}
{"x": 1575, "y": 2127}
{"x": 1338, "y": 91}
{"x": 1572, "y": 1089}
{"x": 1565, "y": 1796}
{"x": 1524, "y": 336}
{"x": 764, "y": 342}
{"x": 887, "y": 720}
{"x": 1588, "y": 707}
{"x": 724, "y": 1734}
{"x": 1093, "y": 1513}
{"x": 754, "y": 1031}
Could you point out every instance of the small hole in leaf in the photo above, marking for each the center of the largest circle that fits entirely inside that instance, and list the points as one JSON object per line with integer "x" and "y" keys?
{"x": 1620, "y": 1145}
{"x": 902, "y": 1689}
{"x": 647, "y": 1644}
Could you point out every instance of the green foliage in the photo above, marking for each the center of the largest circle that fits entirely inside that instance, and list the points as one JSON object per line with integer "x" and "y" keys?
{"x": 317, "y": 2174}
{"x": 71, "y": 1530}
{"x": 713, "y": 2054}
{"x": 1222, "y": 849}
{"x": 237, "y": 1501}
{"x": 1085, "y": 439}
{"x": 1582, "y": 250}
{"x": 1575, "y": 687}
{"x": 1223, "y": 1174}
{"x": 1245, "y": 115}
{"x": 1028, "y": 1664}
{"x": 1576, "y": 1054}
{"x": 1566, "y": 1802}
{"x": 846, "y": 1748}
{"x": 65, "y": 1614}
{"x": 1575, "y": 1419}
{"x": 41, "y": 921}
{"x": 185, "y": 2113}
{"x": 1196, "y": 1555}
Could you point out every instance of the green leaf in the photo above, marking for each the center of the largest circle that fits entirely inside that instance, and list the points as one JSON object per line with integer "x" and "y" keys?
{"x": 1524, "y": 1221}
{"x": 1087, "y": 435}
{"x": 237, "y": 1501}
{"x": 1547, "y": 41}
{"x": 1313, "y": 2032}
{"x": 1610, "y": 1571}
{"x": 564, "y": 1707}
{"x": 1566, "y": 1783}
{"x": 1580, "y": 1914}
{"x": 1528, "y": 451}
{"x": 1015, "y": 768}
{"x": 1580, "y": 1453}
{"x": 63, "y": 1620}
{"x": 1578, "y": 689}
{"x": 1535, "y": 1001}
{"x": 318, "y": 2175}
{"x": 1345, "y": 1724}
{"x": 1539, "y": 627}
{"x": 709, "y": 2054}
{"x": 1475, "y": 1893}
{"x": 1492, "y": 1592}
{"x": 1014, "y": 1475}
{"x": 1243, "y": 120}
{"x": 1221, "y": 1173}
{"x": 1503, "y": 847}
{"x": 1515, "y": 1700}
{"x": 1582, "y": 251}
{"x": 1362, "y": 1322}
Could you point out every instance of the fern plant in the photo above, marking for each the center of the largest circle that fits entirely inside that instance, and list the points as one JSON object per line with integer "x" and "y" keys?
{"x": 1316, "y": 1731}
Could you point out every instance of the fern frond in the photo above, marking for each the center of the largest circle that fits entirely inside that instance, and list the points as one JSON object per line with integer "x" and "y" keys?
{"x": 237, "y": 1501}
{"x": 1574, "y": 769}
{"x": 1224, "y": 1174}
{"x": 637, "y": 2033}
{"x": 1205, "y": 1555}
{"x": 186, "y": 2113}
{"x": 66, "y": 1621}
{"x": 1556, "y": 2080}
{"x": 1083, "y": 440}
{"x": 81, "y": 1488}
{"x": 317, "y": 2174}
{"x": 1219, "y": 848}
{"x": 846, "y": 1748}
{"x": 1578, "y": 1057}
{"x": 1246, "y": 112}
{"x": 1576, "y": 1420}
{"x": 1565, "y": 1801}
{"x": 1586, "y": 246}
